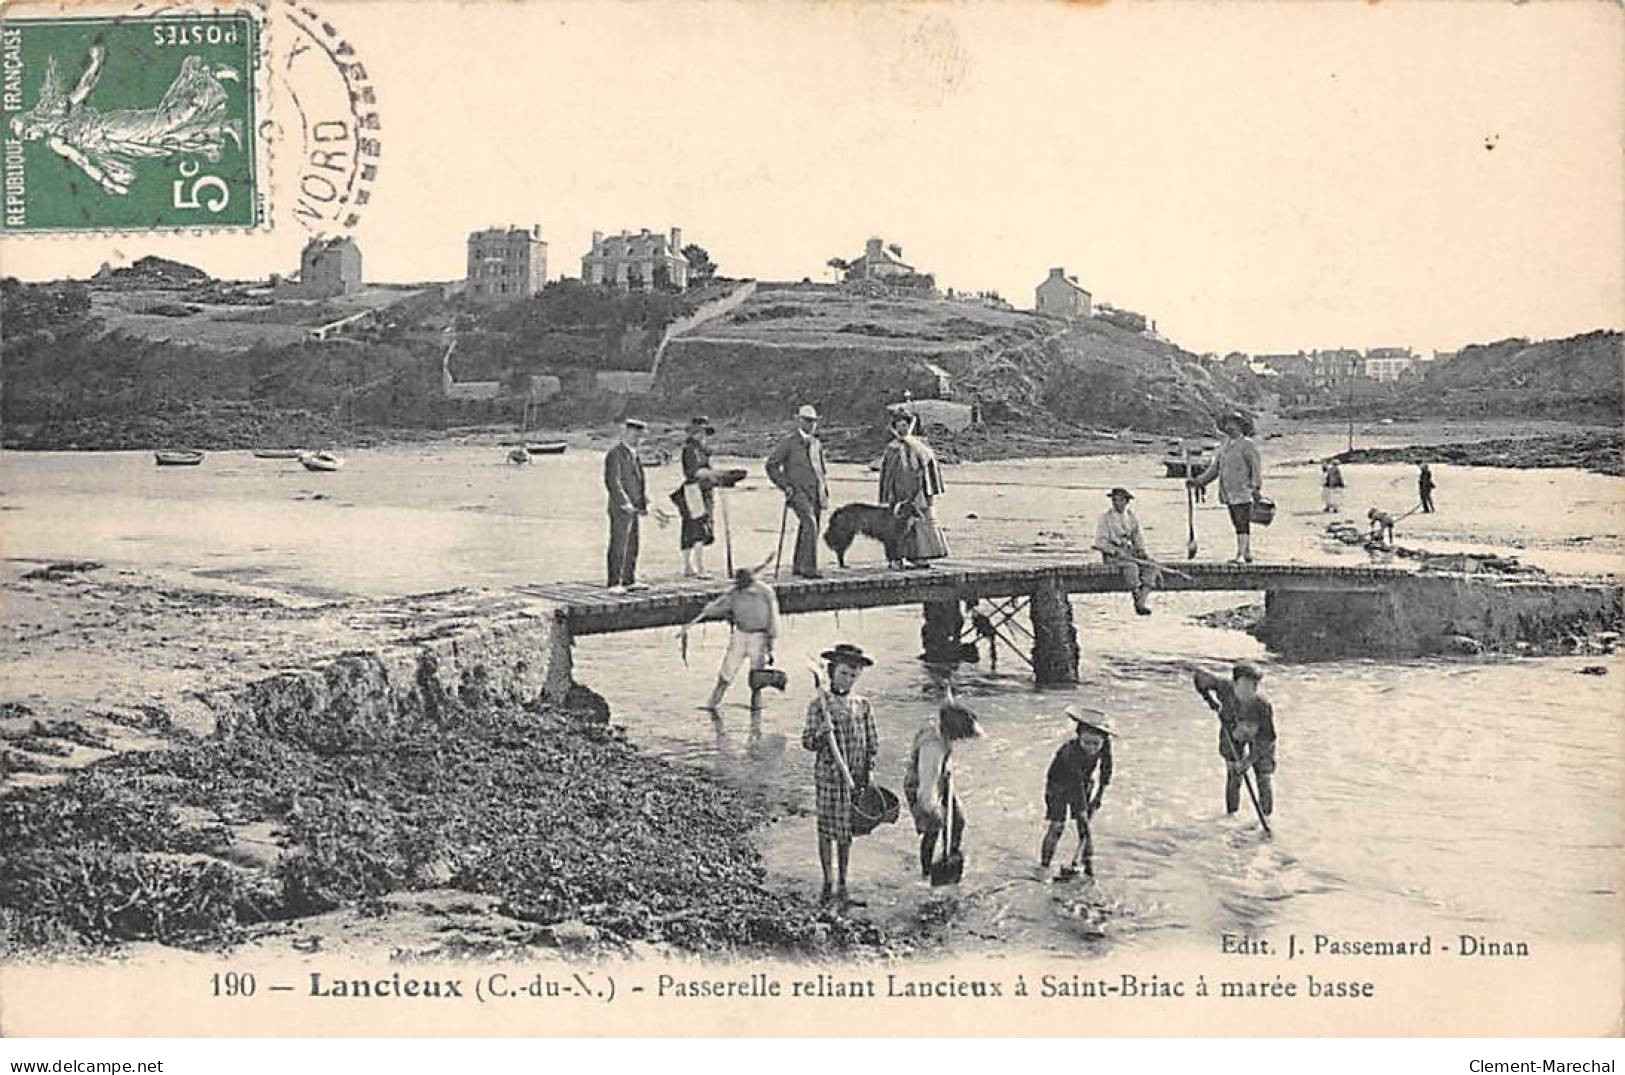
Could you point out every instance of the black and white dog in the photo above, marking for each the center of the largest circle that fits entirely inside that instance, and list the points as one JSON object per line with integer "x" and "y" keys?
{"x": 885, "y": 525}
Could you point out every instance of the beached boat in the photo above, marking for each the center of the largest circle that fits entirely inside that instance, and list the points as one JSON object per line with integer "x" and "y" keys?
{"x": 320, "y": 461}
{"x": 546, "y": 447}
{"x": 652, "y": 455}
{"x": 1174, "y": 466}
{"x": 177, "y": 458}
{"x": 276, "y": 453}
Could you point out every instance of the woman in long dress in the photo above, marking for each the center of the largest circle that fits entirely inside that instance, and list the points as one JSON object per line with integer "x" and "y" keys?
{"x": 695, "y": 500}
{"x": 910, "y": 482}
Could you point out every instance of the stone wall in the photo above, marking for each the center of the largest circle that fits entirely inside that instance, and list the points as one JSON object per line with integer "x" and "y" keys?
{"x": 1436, "y": 614}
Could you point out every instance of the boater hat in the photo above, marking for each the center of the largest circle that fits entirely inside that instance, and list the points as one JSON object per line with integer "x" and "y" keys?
{"x": 847, "y": 653}
{"x": 636, "y": 423}
{"x": 1118, "y": 490}
{"x": 807, "y": 411}
{"x": 1239, "y": 420}
{"x": 1096, "y": 721}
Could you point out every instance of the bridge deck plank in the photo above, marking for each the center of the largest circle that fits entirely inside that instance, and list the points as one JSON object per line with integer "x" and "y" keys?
{"x": 590, "y": 609}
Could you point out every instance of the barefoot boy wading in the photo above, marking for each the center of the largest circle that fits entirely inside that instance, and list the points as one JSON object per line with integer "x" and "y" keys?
{"x": 841, "y": 729}
{"x": 928, "y": 784}
{"x": 1246, "y": 732}
{"x": 753, "y": 609}
{"x": 1067, "y": 791}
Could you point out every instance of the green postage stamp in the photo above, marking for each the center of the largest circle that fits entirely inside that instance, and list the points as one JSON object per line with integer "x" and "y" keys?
{"x": 130, "y": 123}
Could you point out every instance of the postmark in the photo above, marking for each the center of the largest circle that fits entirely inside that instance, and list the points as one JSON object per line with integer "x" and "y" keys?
{"x": 132, "y": 122}
{"x": 325, "y": 126}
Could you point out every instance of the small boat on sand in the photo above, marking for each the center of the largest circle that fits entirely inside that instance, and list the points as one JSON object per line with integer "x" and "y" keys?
{"x": 177, "y": 457}
{"x": 546, "y": 447}
{"x": 276, "y": 453}
{"x": 1175, "y": 466}
{"x": 320, "y": 461}
{"x": 653, "y": 455}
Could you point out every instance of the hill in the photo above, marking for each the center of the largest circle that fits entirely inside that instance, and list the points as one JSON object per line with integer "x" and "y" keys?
{"x": 852, "y": 353}
{"x": 1577, "y": 378}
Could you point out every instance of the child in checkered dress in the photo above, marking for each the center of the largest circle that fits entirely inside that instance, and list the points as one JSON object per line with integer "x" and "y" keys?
{"x": 852, "y": 720}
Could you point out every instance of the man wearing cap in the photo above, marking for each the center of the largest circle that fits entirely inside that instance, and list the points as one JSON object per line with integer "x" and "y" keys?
{"x": 1246, "y": 731}
{"x": 928, "y": 783}
{"x": 628, "y": 499}
{"x": 840, "y": 728}
{"x": 1067, "y": 787}
{"x": 1241, "y": 478}
{"x": 694, "y": 498}
{"x": 796, "y": 466}
{"x": 1120, "y": 543}
{"x": 752, "y": 608}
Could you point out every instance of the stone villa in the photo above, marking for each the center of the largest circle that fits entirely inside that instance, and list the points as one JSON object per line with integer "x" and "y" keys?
{"x": 330, "y": 267}
{"x": 878, "y": 262}
{"x": 1061, "y": 295}
{"x": 506, "y": 263}
{"x": 643, "y": 261}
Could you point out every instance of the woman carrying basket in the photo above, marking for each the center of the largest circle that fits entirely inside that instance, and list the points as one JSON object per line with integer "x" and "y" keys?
{"x": 840, "y": 728}
{"x": 1241, "y": 477}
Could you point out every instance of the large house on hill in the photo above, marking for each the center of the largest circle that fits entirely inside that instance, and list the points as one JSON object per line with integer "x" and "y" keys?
{"x": 330, "y": 267}
{"x": 1061, "y": 295}
{"x": 643, "y": 261}
{"x": 878, "y": 262}
{"x": 506, "y": 263}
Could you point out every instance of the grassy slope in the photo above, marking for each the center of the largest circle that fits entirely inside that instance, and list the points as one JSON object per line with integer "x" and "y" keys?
{"x": 851, "y": 355}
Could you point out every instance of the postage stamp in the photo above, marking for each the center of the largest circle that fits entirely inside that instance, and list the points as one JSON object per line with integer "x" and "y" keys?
{"x": 135, "y": 122}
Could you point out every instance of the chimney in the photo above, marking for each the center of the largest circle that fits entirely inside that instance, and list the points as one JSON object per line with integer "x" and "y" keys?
{"x": 597, "y": 239}
{"x": 535, "y": 231}
{"x": 1058, "y": 273}
{"x": 676, "y": 239}
{"x": 872, "y": 248}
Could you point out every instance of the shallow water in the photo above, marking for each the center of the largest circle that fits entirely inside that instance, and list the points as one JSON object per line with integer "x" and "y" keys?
{"x": 1413, "y": 797}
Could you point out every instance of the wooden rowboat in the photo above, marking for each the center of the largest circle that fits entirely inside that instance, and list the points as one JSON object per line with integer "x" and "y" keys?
{"x": 546, "y": 447}
{"x": 276, "y": 453}
{"x": 320, "y": 461}
{"x": 177, "y": 458}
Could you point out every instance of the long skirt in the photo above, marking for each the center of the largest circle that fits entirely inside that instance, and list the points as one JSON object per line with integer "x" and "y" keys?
{"x": 1331, "y": 497}
{"x": 926, "y": 541}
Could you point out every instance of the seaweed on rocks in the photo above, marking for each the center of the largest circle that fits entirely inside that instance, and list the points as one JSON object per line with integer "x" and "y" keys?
{"x": 550, "y": 812}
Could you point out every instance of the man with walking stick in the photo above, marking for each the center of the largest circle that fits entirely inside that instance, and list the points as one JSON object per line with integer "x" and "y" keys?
{"x": 796, "y": 466}
{"x": 1246, "y": 735}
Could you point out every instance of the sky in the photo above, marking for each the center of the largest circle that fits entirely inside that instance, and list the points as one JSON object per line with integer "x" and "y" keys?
{"x": 1260, "y": 177}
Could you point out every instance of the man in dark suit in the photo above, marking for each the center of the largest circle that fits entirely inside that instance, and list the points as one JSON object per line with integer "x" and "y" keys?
{"x": 628, "y": 499}
{"x": 796, "y": 466}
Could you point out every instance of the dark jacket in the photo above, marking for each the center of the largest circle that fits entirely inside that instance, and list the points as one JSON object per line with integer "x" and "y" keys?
{"x": 797, "y": 465}
{"x": 1073, "y": 767}
{"x": 623, "y": 480}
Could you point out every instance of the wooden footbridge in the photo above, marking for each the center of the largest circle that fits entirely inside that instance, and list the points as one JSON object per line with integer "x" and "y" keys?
{"x": 1007, "y": 585}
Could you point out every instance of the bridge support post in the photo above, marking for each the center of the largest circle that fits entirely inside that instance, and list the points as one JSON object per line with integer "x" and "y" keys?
{"x": 939, "y": 634}
{"x": 1055, "y": 639}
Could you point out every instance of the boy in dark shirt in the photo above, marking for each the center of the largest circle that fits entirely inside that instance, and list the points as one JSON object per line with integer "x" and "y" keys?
{"x": 1067, "y": 789}
{"x": 1246, "y": 731}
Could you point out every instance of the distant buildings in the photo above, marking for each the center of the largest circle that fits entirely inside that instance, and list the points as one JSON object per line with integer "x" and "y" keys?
{"x": 330, "y": 267}
{"x": 878, "y": 262}
{"x": 506, "y": 263}
{"x": 1389, "y": 364}
{"x": 1281, "y": 365}
{"x": 1061, "y": 295}
{"x": 644, "y": 261}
